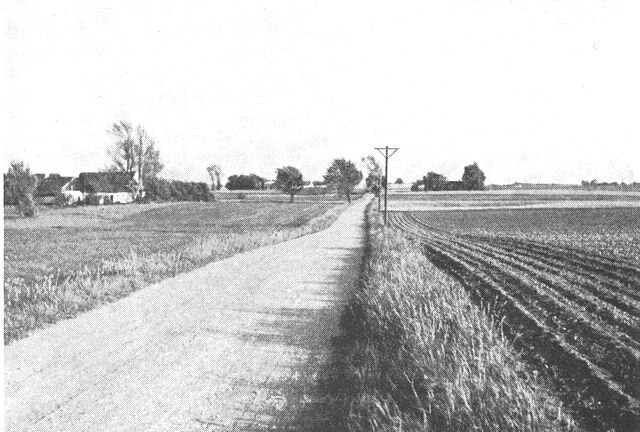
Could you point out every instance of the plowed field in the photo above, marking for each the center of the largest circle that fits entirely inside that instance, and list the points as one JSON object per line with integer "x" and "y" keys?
{"x": 573, "y": 312}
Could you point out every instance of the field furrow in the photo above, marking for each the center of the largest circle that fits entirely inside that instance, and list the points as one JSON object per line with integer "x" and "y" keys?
{"x": 604, "y": 345}
{"x": 575, "y": 315}
{"x": 602, "y": 291}
{"x": 608, "y": 274}
{"x": 583, "y": 386}
{"x": 563, "y": 287}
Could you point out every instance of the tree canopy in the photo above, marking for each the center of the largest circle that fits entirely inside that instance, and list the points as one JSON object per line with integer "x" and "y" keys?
{"x": 374, "y": 175}
{"x": 133, "y": 151}
{"x": 19, "y": 187}
{"x": 245, "y": 182}
{"x": 289, "y": 180}
{"x": 343, "y": 176}
{"x": 434, "y": 182}
{"x": 473, "y": 178}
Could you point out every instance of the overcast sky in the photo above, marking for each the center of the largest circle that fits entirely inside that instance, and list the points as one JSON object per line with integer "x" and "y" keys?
{"x": 540, "y": 91}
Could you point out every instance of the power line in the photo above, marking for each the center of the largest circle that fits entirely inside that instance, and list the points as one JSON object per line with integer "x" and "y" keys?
{"x": 386, "y": 173}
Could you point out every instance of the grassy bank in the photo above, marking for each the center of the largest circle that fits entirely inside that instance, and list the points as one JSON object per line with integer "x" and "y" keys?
{"x": 417, "y": 354}
{"x": 31, "y": 303}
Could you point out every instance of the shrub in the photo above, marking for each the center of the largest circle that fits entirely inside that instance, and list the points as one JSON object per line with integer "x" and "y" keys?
{"x": 27, "y": 206}
{"x": 91, "y": 199}
{"x": 242, "y": 196}
{"x": 19, "y": 187}
{"x": 61, "y": 200}
{"x": 174, "y": 190}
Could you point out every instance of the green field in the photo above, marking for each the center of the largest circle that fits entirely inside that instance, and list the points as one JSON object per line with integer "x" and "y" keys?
{"x": 34, "y": 250}
{"x": 71, "y": 259}
{"x": 566, "y": 284}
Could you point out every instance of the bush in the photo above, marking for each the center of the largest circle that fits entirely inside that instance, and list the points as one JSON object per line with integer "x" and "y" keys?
{"x": 61, "y": 200}
{"x": 242, "y": 196}
{"x": 174, "y": 190}
{"x": 19, "y": 188}
{"x": 91, "y": 199}
{"x": 27, "y": 206}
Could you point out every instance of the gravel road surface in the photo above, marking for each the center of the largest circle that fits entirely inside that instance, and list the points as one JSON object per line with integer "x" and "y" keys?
{"x": 235, "y": 345}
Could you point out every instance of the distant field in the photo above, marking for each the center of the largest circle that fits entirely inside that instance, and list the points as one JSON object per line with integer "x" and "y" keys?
{"x": 507, "y": 199}
{"x": 67, "y": 240}
{"x": 270, "y": 195}
{"x": 567, "y": 284}
{"x": 607, "y": 231}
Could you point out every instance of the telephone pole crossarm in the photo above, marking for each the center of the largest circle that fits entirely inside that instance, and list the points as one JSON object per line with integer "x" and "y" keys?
{"x": 386, "y": 155}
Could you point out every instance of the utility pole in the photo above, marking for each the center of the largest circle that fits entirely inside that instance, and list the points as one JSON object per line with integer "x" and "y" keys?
{"x": 386, "y": 173}
{"x": 379, "y": 189}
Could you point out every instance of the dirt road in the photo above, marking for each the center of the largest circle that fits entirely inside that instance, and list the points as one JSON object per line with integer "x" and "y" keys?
{"x": 235, "y": 345}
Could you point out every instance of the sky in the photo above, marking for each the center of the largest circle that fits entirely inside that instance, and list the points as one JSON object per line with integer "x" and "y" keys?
{"x": 533, "y": 91}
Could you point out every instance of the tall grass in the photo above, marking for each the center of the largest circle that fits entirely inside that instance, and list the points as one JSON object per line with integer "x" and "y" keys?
{"x": 30, "y": 305}
{"x": 417, "y": 354}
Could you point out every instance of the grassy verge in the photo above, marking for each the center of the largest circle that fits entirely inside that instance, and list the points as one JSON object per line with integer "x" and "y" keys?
{"x": 417, "y": 354}
{"x": 29, "y": 305}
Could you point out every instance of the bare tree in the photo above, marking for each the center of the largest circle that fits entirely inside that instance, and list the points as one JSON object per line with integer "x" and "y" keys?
{"x": 134, "y": 152}
{"x": 146, "y": 157}
{"x": 215, "y": 172}
{"x": 122, "y": 153}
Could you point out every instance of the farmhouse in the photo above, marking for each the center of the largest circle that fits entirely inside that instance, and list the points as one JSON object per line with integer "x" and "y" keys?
{"x": 109, "y": 187}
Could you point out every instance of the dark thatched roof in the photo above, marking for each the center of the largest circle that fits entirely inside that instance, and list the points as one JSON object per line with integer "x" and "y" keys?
{"x": 104, "y": 182}
{"x": 50, "y": 186}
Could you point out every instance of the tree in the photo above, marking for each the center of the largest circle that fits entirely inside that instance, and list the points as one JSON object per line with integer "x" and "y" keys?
{"x": 245, "y": 182}
{"x": 416, "y": 185}
{"x": 289, "y": 180}
{"x": 434, "y": 182}
{"x": 374, "y": 177}
{"x": 399, "y": 181}
{"x": 147, "y": 158}
{"x": 215, "y": 172}
{"x": 121, "y": 153}
{"x": 343, "y": 176}
{"x": 21, "y": 185}
{"x": 134, "y": 152}
{"x": 473, "y": 177}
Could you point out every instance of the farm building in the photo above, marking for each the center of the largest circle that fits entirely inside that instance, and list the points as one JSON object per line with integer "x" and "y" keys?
{"x": 114, "y": 187}
{"x": 49, "y": 187}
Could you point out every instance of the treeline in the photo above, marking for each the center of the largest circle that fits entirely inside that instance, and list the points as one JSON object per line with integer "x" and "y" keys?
{"x": 159, "y": 189}
{"x": 472, "y": 179}
{"x": 594, "y": 184}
